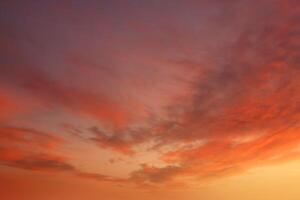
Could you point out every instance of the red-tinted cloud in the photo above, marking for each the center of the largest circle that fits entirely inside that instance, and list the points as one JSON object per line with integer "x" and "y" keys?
{"x": 246, "y": 109}
{"x": 8, "y": 106}
{"x": 34, "y": 150}
{"x": 29, "y": 149}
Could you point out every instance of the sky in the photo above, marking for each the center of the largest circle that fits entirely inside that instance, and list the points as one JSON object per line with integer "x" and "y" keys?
{"x": 150, "y": 99}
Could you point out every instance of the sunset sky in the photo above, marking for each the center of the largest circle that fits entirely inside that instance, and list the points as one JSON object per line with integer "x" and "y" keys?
{"x": 150, "y": 100}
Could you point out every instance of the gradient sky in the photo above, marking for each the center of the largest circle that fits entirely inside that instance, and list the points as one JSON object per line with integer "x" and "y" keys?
{"x": 150, "y": 99}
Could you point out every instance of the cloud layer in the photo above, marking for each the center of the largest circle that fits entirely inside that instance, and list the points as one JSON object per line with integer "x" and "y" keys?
{"x": 210, "y": 88}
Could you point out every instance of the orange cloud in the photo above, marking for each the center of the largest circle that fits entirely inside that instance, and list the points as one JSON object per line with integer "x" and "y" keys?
{"x": 247, "y": 109}
{"x": 33, "y": 150}
{"x": 29, "y": 149}
{"x": 8, "y": 106}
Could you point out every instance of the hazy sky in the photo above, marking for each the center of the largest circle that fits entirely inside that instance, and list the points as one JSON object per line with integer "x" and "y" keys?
{"x": 149, "y": 99}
